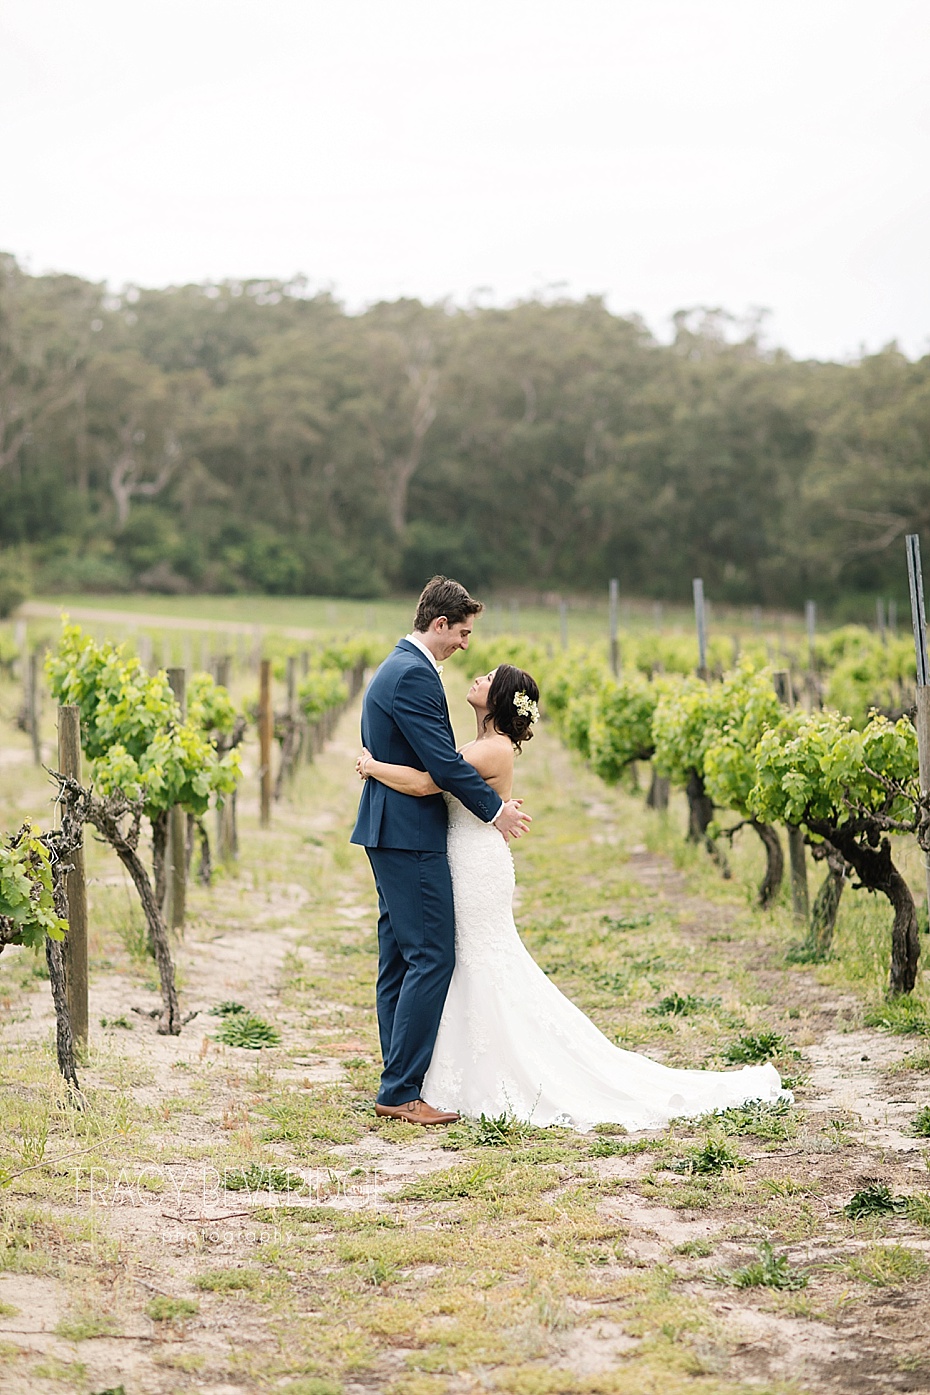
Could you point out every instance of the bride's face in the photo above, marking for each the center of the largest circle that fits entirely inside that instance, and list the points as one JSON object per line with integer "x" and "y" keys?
{"x": 478, "y": 692}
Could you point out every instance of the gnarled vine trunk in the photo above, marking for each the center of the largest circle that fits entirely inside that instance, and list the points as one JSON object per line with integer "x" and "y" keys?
{"x": 197, "y": 829}
{"x": 797, "y": 857}
{"x": 774, "y": 862}
{"x": 106, "y": 815}
{"x": 700, "y": 809}
{"x": 827, "y": 901}
{"x": 159, "y": 859}
{"x": 64, "y": 1040}
{"x": 170, "y": 1024}
{"x": 657, "y": 798}
{"x": 700, "y": 817}
{"x": 871, "y": 861}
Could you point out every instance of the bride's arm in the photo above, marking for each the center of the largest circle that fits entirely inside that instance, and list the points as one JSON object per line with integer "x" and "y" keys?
{"x": 403, "y": 778}
{"x": 493, "y": 761}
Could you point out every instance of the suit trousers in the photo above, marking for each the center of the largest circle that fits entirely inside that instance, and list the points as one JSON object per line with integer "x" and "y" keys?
{"x": 416, "y": 956}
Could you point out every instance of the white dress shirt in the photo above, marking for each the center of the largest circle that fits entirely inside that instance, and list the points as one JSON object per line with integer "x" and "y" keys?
{"x": 423, "y": 650}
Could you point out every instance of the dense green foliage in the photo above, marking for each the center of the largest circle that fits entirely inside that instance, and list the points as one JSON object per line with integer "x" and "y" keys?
{"x": 744, "y": 707}
{"x": 256, "y": 436}
{"x": 815, "y": 766}
{"x": 26, "y": 890}
{"x": 209, "y": 707}
{"x": 131, "y": 728}
{"x": 733, "y": 746}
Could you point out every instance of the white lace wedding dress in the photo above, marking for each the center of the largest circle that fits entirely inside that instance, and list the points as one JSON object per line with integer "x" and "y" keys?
{"x": 511, "y": 1043}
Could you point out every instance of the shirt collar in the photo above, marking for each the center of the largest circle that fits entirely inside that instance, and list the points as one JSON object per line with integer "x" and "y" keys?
{"x": 423, "y": 650}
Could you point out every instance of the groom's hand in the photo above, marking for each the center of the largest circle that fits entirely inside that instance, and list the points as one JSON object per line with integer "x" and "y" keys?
{"x": 511, "y": 822}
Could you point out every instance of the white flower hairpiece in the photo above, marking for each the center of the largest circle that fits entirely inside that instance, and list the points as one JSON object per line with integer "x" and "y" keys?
{"x": 526, "y": 707}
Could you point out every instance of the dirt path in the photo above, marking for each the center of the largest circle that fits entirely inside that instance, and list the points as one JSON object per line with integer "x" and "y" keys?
{"x": 590, "y": 1270}
{"x": 854, "y": 1084}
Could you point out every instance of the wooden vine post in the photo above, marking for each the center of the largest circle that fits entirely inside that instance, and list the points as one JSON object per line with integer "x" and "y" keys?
{"x": 75, "y": 942}
{"x": 919, "y": 620}
{"x": 225, "y": 812}
{"x": 813, "y": 682}
{"x": 176, "y": 870}
{"x": 563, "y": 624}
{"x": 265, "y": 738}
{"x": 797, "y": 853}
{"x": 614, "y": 643}
{"x": 292, "y": 687}
{"x": 700, "y": 620}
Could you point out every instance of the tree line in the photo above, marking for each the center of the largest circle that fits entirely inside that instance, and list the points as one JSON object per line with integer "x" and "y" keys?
{"x": 256, "y": 436}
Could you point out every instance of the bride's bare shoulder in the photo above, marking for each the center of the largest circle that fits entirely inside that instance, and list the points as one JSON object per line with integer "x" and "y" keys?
{"x": 491, "y": 756}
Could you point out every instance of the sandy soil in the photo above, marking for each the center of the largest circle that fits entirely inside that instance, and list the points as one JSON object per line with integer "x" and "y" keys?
{"x": 850, "y": 1079}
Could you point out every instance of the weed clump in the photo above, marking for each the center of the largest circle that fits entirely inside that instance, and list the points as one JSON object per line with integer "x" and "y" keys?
{"x": 874, "y": 1200}
{"x": 710, "y": 1159}
{"x": 773, "y": 1122}
{"x": 921, "y": 1124}
{"x": 247, "y": 1030}
{"x": 262, "y": 1177}
{"x": 753, "y": 1048}
{"x": 695, "y": 1249}
{"x": 769, "y": 1271}
{"x": 487, "y": 1131}
{"x": 682, "y": 1005}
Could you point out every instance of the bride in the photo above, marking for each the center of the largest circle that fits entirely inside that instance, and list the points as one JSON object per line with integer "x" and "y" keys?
{"x": 509, "y": 1041}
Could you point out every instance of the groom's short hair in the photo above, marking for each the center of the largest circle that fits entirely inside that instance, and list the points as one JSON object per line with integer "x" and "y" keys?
{"x": 443, "y": 596}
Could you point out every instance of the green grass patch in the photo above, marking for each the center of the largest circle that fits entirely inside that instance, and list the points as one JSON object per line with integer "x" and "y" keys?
{"x": 627, "y": 922}
{"x": 885, "y": 1265}
{"x": 312, "y": 1385}
{"x": 307, "y": 1120}
{"x": 165, "y": 1309}
{"x": 607, "y": 1147}
{"x": 228, "y": 1280}
{"x": 903, "y": 1015}
{"x": 770, "y": 1270}
{"x": 83, "y": 1324}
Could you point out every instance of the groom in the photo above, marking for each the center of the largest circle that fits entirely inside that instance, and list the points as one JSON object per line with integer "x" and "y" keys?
{"x": 405, "y": 721}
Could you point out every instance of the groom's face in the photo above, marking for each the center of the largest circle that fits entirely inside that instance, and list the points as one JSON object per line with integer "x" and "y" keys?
{"x": 452, "y": 637}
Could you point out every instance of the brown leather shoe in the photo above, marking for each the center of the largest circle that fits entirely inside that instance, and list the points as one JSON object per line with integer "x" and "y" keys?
{"x": 416, "y": 1112}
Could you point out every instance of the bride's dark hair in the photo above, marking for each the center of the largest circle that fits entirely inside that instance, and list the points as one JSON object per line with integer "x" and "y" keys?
{"x": 507, "y": 682}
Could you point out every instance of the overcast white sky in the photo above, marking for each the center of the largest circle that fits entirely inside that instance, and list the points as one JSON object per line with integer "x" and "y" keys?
{"x": 667, "y": 153}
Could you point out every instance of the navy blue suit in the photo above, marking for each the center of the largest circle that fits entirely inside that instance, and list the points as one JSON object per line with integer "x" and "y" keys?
{"x": 405, "y": 721}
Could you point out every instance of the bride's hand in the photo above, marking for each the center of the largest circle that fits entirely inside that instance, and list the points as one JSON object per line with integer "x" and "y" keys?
{"x": 361, "y": 762}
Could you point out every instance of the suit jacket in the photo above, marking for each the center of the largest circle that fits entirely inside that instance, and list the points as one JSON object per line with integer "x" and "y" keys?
{"x": 405, "y": 721}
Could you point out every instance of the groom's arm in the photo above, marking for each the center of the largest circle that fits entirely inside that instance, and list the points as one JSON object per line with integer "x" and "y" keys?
{"x": 419, "y": 712}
